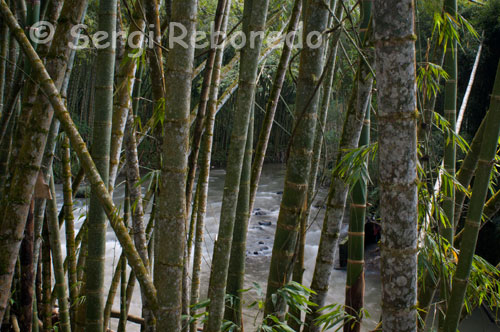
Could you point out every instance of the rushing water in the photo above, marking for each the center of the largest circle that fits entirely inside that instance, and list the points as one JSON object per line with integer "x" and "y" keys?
{"x": 259, "y": 246}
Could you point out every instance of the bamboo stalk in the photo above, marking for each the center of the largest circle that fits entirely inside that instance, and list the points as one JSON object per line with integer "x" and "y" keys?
{"x": 272, "y": 103}
{"x": 299, "y": 158}
{"x": 394, "y": 34}
{"x": 203, "y": 177}
{"x": 170, "y": 232}
{"x": 254, "y": 21}
{"x": 473, "y": 220}
{"x": 55, "y": 247}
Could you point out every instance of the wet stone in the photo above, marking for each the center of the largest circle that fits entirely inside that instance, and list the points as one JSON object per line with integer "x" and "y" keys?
{"x": 265, "y": 223}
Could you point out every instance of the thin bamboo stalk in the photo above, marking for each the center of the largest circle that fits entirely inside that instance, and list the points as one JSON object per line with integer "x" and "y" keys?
{"x": 55, "y": 247}
{"x": 203, "y": 177}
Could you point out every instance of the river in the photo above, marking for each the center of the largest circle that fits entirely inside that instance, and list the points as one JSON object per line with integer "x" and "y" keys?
{"x": 259, "y": 246}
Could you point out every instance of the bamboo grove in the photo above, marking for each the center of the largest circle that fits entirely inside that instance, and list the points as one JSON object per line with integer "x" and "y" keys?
{"x": 117, "y": 118}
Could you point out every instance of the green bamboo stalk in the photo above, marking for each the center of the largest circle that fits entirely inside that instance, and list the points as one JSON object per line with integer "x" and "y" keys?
{"x": 46, "y": 308}
{"x": 397, "y": 132}
{"x": 86, "y": 161}
{"x": 450, "y": 112}
{"x": 473, "y": 220}
{"x": 254, "y": 21}
{"x": 272, "y": 103}
{"x": 355, "y": 281}
{"x": 81, "y": 308}
{"x": 337, "y": 196}
{"x": 202, "y": 106}
{"x": 126, "y": 73}
{"x": 55, "y": 247}
{"x": 4, "y": 48}
{"x": 155, "y": 53}
{"x": 28, "y": 273}
{"x": 330, "y": 66}
{"x": 122, "y": 323}
{"x": 138, "y": 227}
{"x": 236, "y": 272}
{"x": 299, "y": 159}
{"x": 70, "y": 223}
{"x": 331, "y": 55}
{"x": 117, "y": 274}
{"x": 171, "y": 220}
{"x": 468, "y": 168}
{"x": 100, "y": 153}
{"x": 203, "y": 177}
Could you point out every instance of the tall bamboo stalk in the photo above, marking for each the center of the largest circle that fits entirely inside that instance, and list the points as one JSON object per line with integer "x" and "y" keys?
{"x": 97, "y": 222}
{"x": 55, "y": 247}
{"x": 205, "y": 158}
{"x": 69, "y": 222}
{"x": 254, "y": 21}
{"x": 27, "y": 273}
{"x": 171, "y": 220}
{"x": 355, "y": 281}
{"x": 4, "y": 48}
{"x": 135, "y": 192}
{"x": 299, "y": 159}
{"x": 395, "y": 68}
{"x": 236, "y": 272}
{"x": 125, "y": 77}
{"x": 330, "y": 66}
{"x": 272, "y": 103}
{"x": 450, "y": 112}
{"x": 473, "y": 220}
{"x": 202, "y": 106}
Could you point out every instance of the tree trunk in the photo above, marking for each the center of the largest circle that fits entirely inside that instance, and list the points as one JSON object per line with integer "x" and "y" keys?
{"x": 236, "y": 272}
{"x": 272, "y": 103}
{"x": 254, "y": 21}
{"x": 97, "y": 222}
{"x": 27, "y": 273}
{"x": 395, "y": 68}
{"x": 473, "y": 220}
{"x": 135, "y": 192}
{"x": 205, "y": 158}
{"x": 171, "y": 221}
{"x": 337, "y": 197}
{"x": 299, "y": 158}
{"x": 125, "y": 77}
{"x": 55, "y": 247}
{"x": 355, "y": 282}
{"x": 450, "y": 112}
